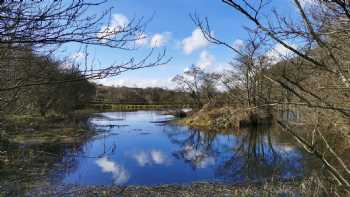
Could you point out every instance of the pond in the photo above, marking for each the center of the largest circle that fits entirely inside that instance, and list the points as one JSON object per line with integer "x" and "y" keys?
{"x": 143, "y": 148}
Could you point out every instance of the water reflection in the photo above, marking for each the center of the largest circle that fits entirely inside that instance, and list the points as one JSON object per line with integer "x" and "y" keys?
{"x": 257, "y": 156}
{"x": 120, "y": 175}
{"x": 195, "y": 146}
{"x": 253, "y": 154}
{"x": 198, "y": 158}
{"x": 176, "y": 154}
{"x": 31, "y": 165}
{"x": 152, "y": 157}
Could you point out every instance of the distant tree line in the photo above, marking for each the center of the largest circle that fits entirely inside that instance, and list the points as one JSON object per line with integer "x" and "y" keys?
{"x": 127, "y": 95}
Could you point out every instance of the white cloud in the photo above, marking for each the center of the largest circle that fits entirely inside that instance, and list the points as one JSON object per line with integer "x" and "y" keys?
{"x": 155, "y": 41}
{"x": 142, "y": 39}
{"x": 117, "y": 23}
{"x": 120, "y": 175}
{"x": 120, "y": 21}
{"x": 186, "y": 69}
{"x": 279, "y": 52}
{"x": 195, "y": 41}
{"x": 139, "y": 83}
{"x": 219, "y": 67}
{"x": 159, "y": 39}
{"x": 77, "y": 56}
{"x": 207, "y": 63}
{"x": 144, "y": 158}
{"x": 238, "y": 44}
{"x": 205, "y": 60}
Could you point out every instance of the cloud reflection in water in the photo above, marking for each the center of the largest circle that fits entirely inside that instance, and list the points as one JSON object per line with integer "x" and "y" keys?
{"x": 120, "y": 175}
{"x": 198, "y": 157}
{"x": 144, "y": 158}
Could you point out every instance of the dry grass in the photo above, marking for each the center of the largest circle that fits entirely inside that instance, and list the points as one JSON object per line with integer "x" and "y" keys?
{"x": 221, "y": 118}
{"x": 309, "y": 187}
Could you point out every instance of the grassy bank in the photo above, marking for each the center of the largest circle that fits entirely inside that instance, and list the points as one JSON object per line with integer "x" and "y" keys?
{"x": 31, "y": 146}
{"x": 31, "y": 129}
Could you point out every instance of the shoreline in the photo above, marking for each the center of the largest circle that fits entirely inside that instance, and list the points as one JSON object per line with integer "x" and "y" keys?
{"x": 276, "y": 188}
{"x": 36, "y": 130}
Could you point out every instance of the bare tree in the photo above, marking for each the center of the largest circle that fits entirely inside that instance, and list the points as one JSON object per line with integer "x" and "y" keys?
{"x": 30, "y": 29}
{"x": 44, "y": 26}
{"x": 190, "y": 82}
{"x": 210, "y": 82}
{"x": 201, "y": 85}
{"x": 316, "y": 73}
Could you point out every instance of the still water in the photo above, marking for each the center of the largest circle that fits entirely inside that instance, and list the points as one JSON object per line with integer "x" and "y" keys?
{"x": 142, "y": 148}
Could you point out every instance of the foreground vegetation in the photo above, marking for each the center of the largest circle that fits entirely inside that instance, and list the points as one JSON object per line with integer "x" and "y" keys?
{"x": 309, "y": 188}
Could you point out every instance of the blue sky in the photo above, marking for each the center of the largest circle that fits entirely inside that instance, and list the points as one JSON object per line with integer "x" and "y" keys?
{"x": 173, "y": 30}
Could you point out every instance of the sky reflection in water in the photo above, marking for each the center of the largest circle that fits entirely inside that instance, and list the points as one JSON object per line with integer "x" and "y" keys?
{"x": 136, "y": 148}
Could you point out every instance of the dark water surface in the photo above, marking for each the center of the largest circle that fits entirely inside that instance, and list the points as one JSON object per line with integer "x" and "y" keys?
{"x": 139, "y": 148}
